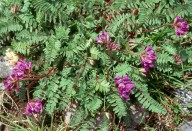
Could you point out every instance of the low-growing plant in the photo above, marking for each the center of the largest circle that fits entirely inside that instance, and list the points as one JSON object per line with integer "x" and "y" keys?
{"x": 95, "y": 57}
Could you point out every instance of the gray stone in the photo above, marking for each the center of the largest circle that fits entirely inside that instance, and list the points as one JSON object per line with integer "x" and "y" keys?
{"x": 136, "y": 116}
{"x": 2, "y": 87}
{"x": 184, "y": 98}
{"x": 186, "y": 127}
{"x": 5, "y": 69}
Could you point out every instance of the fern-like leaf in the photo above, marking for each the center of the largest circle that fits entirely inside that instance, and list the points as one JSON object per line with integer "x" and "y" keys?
{"x": 147, "y": 101}
{"x": 117, "y": 103}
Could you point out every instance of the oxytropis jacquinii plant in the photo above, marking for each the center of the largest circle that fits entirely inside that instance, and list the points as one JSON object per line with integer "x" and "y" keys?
{"x": 147, "y": 57}
{"x": 72, "y": 54}
{"x": 22, "y": 72}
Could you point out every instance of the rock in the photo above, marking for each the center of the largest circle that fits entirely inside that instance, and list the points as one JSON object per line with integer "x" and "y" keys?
{"x": 69, "y": 113}
{"x": 1, "y": 87}
{"x": 136, "y": 116}
{"x": 184, "y": 98}
{"x": 5, "y": 69}
{"x": 186, "y": 127}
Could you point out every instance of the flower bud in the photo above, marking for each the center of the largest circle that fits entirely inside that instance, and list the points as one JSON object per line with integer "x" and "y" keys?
{"x": 15, "y": 8}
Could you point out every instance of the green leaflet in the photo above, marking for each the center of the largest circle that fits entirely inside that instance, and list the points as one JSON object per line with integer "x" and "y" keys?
{"x": 61, "y": 34}
{"x": 118, "y": 104}
{"x": 102, "y": 86}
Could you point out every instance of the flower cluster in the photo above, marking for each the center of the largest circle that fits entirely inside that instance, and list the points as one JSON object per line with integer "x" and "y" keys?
{"x": 22, "y": 67}
{"x": 124, "y": 85}
{"x": 148, "y": 57}
{"x": 105, "y": 39}
{"x": 180, "y": 26}
{"x": 114, "y": 47}
{"x": 11, "y": 83}
{"x": 33, "y": 106}
{"x": 177, "y": 59}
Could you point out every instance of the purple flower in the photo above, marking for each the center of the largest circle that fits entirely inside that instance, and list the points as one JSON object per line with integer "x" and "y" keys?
{"x": 148, "y": 57}
{"x": 177, "y": 59}
{"x": 22, "y": 65}
{"x": 34, "y": 106}
{"x": 180, "y": 26}
{"x": 130, "y": 40}
{"x": 11, "y": 83}
{"x": 20, "y": 74}
{"x": 106, "y": 40}
{"x": 114, "y": 46}
{"x": 28, "y": 65}
{"x": 103, "y": 38}
{"x": 117, "y": 79}
{"x": 125, "y": 79}
{"x": 124, "y": 85}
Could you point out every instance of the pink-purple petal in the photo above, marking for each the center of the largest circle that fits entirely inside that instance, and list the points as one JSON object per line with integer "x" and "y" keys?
{"x": 33, "y": 107}
{"x": 148, "y": 58}
{"x": 125, "y": 86}
{"x": 181, "y": 27}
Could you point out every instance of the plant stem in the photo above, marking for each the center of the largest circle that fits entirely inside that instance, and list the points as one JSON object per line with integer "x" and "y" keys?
{"x": 41, "y": 76}
{"x": 158, "y": 27}
{"x": 28, "y": 87}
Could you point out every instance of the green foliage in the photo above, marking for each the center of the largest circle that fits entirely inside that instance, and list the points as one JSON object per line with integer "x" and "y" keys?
{"x": 28, "y": 124}
{"x": 147, "y": 101}
{"x": 94, "y": 104}
{"x": 102, "y": 86}
{"x": 61, "y": 35}
{"x": 118, "y": 104}
{"x": 104, "y": 125}
{"x": 78, "y": 117}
